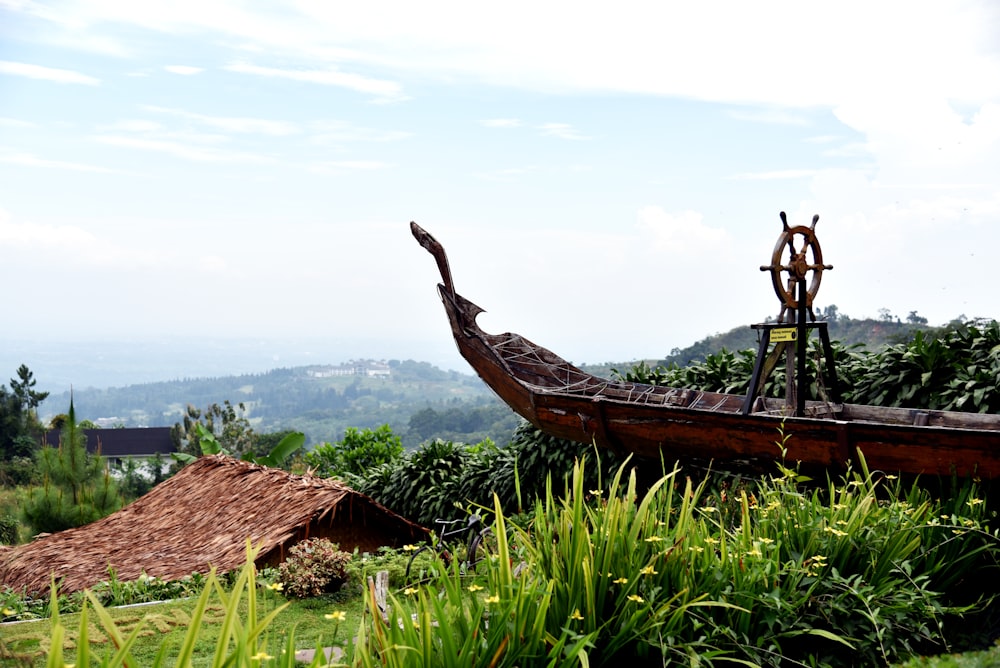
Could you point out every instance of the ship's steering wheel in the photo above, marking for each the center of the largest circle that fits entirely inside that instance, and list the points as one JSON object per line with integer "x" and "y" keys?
{"x": 808, "y": 259}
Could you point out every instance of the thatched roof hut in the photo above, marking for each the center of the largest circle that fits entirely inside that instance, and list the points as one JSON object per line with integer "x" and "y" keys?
{"x": 201, "y": 518}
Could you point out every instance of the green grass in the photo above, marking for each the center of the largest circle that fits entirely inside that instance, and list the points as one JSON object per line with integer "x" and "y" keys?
{"x": 167, "y": 624}
{"x": 986, "y": 659}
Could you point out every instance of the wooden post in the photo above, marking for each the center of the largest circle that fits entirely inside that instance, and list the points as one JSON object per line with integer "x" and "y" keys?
{"x": 380, "y": 586}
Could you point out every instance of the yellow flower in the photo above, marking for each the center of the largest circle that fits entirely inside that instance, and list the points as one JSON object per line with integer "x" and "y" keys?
{"x": 261, "y": 656}
{"x": 711, "y": 540}
{"x": 576, "y": 615}
{"x": 493, "y": 599}
{"x": 7, "y": 612}
{"x": 648, "y": 570}
{"x": 621, "y": 581}
{"x": 410, "y": 548}
{"x": 595, "y": 492}
{"x": 473, "y": 588}
{"x": 696, "y": 548}
{"x": 337, "y": 616}
{"x": 409, "y": 591}
{"x": 835, "y": 532}
{"x": 767, "y": 541}
{"x": 653, "y": 539}
{"x": 277, "y": 586}
{"x": 635, "y": 598}
{"x": 755, "y": 552}
{"x": 975, "y": 502}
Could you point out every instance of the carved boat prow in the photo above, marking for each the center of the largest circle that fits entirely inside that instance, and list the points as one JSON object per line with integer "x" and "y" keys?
{"x": 658, "y": 422}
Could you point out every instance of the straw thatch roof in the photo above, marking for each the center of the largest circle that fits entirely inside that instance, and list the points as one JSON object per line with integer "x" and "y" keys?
{"x": 201, "y": 518}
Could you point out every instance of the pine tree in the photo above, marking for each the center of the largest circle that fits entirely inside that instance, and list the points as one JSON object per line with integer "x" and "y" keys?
{"x": 76, "y": 488}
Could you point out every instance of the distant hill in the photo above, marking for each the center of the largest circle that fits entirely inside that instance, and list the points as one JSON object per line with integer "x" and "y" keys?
{"x": 416, "y": 399}
{"x": 319, "y": 400}
{"x": 869, "y": 332}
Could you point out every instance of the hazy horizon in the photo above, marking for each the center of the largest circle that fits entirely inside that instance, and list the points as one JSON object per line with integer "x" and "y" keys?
{"x": 85, "y": 363}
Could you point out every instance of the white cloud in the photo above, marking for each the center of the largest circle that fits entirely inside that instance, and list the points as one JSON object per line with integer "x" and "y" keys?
{"x": 774, "y": 116}
{"x": 341, "y": 166}
{"x": 501, "y": 122}
{"x": 822, "y": 139}
{"x": 681, "y": 233}
{"x": 134, "y": 125}
{"x": 238, "y": 125}
{"x": 47, "y": 73}
{"x": 16, "y": 123}
{"x": 182, "y": 150}
{"x": 31, "y": 160}
{"x": 385, "y": 90}
{"x": 44, "y": 236}
{"x": 332, "y": 131}
{"x": 507, "y": 174}
{"x": 184, "y": 70}
{"x": 213, "y": 264}
{"x": 73, "y": 245}
{"x": 774, "y": 175}
{"x": 561, "y": 130}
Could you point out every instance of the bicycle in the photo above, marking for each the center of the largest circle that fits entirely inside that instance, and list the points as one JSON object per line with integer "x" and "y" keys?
{"x": 479, "y": 544}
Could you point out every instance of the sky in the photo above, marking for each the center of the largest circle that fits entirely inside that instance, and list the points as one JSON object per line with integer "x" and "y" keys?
{"x": 606, "y": 177}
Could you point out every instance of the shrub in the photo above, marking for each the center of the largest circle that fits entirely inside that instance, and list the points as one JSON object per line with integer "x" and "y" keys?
{"x": 386, "y": 559}
{"x": 314, "y": 566}
{"x": 8, "y": 530}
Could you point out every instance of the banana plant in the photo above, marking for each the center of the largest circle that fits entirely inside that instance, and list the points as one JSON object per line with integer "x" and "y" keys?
{"x": 276, "y": 458}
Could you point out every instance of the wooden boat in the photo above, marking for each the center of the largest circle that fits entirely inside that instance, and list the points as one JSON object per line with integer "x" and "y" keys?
{"x": 675, "y": 423}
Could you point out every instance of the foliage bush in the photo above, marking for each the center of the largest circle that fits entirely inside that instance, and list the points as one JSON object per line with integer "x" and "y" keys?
{"x": 314, "y": 566}
{"x": 356, "y": 453}
{"x": 443, "y": 480}
{"x": 861, "y": 571}
{"x": 363, "y": 566}
{"x": 9, "y": 527}
{"x": 18, "y": 471}
{"x": 956, "y": 367}
{"x": 144, "y": 589}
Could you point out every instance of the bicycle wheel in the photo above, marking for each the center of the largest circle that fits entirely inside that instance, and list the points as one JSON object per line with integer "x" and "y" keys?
{"x": 411, "y": 577}
{"x": 483, "y": 546}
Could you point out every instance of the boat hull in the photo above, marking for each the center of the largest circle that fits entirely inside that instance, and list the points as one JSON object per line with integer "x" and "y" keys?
{"x": 670, "y": 423}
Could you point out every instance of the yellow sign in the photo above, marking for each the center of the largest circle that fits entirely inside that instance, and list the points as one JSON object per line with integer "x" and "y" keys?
{"x": 784, "y": 334}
